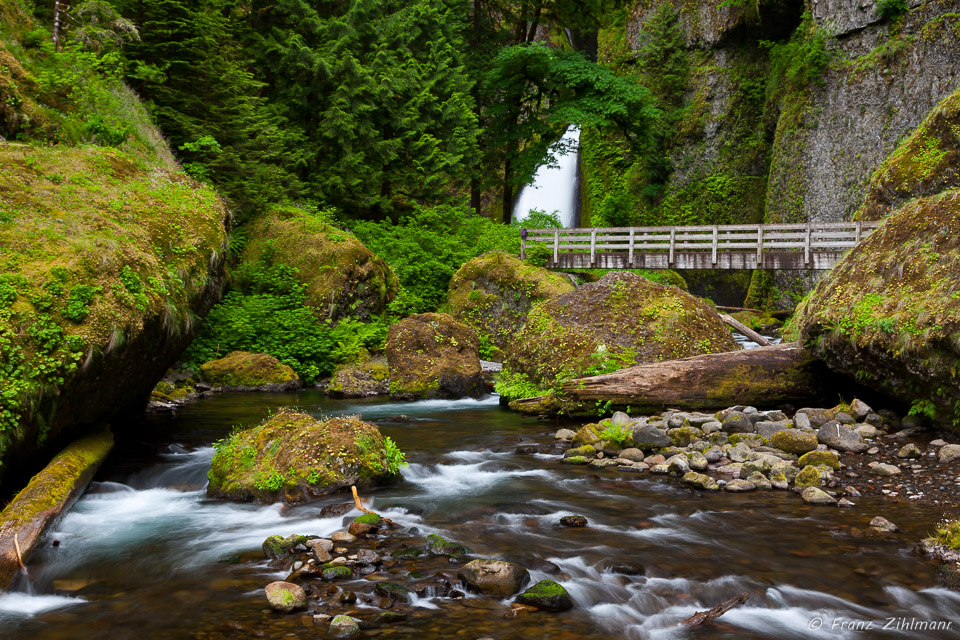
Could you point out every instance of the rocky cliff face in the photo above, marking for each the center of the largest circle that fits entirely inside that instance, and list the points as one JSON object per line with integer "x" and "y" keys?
{"x": 787, "y": 108}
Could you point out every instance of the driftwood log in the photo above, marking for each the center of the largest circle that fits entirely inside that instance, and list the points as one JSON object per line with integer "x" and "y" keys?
{"x": 703, "y": 617}
{"x": 745, "y": 330}
{"x": 765, "y": 376}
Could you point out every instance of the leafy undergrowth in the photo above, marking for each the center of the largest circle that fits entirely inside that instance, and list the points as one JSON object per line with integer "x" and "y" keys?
{"x": 93, "y": 243}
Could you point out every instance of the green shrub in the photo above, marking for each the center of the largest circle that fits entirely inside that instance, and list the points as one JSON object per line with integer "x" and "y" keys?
{"x": 891, "y": 9}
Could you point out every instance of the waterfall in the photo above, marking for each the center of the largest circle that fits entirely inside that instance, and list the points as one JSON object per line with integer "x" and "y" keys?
{"x": 555, "y": 188}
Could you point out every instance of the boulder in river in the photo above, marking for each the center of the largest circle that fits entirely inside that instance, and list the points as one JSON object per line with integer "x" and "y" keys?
{"x": 285, "y": 596}
{"x": 249, "y": 371}
{"x": 494, "y": 577}
{"x": 814, "y": 495}
{"x": 343, "y": 627}
{"x": 835, "y": 435}
{"x": 431, "y": 355}
{"x": 293, "y": 457}
{"x": 494, "y": 292}
{"x": 620, "y": 320}
{"x": 369, "y": 376}
{"x": 546, "y": 595}
{"x": 794, "y": 441}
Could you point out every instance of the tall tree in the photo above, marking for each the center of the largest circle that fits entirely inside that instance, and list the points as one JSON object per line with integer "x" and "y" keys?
{"x": 378, "y": 92}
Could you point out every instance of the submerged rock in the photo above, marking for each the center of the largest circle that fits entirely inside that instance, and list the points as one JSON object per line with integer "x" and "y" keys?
{"x": 285, "y": 596}
{"x": 249, "y": 371}
{"x": 813, "y": 495}
{"x": 343, "y": 627}
{"x": 546, "y": 595}
{"x": 293, "y": 457}
{"x": 431, "y": 355}
{"x": 573, "y": 521}
{"x": 278, "y": 548}
{"x": 440, "y": 547}
{"x": 494, "y": 577}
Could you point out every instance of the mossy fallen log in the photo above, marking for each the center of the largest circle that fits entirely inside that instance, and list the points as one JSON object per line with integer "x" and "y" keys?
{"x": 765, "y": 376}
{"x": 46, "y": 498}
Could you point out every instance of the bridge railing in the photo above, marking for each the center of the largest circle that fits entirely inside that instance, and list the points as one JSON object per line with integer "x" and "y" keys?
{"x": 812, "y": 240}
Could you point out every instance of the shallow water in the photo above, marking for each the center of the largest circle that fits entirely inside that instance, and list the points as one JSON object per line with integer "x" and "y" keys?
{"x": 144, "y": 554}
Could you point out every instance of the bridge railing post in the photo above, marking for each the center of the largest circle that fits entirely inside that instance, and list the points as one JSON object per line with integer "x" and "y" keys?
{"x": 673, "y": 242}
{"x": 630, "y": 258}
{"x": 556, "y": 248}
{"x": 759, "y": 246}
{"x": 715, "y": 232}
{"x": 593, "y": 248}
{"x": 806, "y": 245}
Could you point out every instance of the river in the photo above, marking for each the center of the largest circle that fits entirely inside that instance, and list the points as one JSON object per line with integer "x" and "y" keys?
{"x": 144, "y": 554}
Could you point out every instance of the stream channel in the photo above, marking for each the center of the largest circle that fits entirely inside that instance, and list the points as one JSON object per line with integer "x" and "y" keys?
{"x": 144, "y": 554}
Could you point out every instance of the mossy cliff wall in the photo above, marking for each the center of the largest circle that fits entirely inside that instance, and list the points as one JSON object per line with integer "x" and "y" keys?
{"x": 776, "y": 111}
{"x": 107, "y": 264}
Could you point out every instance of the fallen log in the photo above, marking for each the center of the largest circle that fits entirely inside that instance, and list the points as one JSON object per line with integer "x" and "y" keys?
{"x": 47, "y": 496}
{"x": 766, "y": 376}
{"x": 703, "y": 617}
{"x": 745, "y": 330}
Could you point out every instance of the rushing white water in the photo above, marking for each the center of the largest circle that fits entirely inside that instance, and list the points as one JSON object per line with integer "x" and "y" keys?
{"x": 554, "y": 188}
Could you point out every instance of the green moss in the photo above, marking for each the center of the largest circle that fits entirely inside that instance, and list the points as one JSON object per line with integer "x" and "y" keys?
{"x": 816, "y": 458}
{"x": 545, "y": 589}
{"x": 948, "y": 535}
{"x": 369, "y": 518}
{"x": 440, "y": 547}
{"x": 336, "y": 572}
{"x": 241, "y": 369}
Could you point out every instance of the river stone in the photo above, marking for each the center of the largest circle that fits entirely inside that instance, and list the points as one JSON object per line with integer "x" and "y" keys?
{"x": 573, "y": 521}
{"x": 368, "y": 556}
{"x": 801, "y": 421}
{"x": 809, "y": 476}
{"x": 343, "y": 537}
{"x": 587, "y": 434}
{"x": 602, "y": 463}
{"x": 767, "y": 429}
{"x": 440, "y": 547}
{"x": 324, "y": 543}
{"x": 909, "y": 451}
{"x": 860, "y": 409}
{"x": 711, "y": 427}
{"x": 635, "y": 467}
{"x": 697, "y": 461}
{"x": 739, "y": 486}
{"x": 564, "y": 434}
{"x": 701, "y": 481}
{"x": 842, "y": 438}
{"x": 828, "y": 458}
{"x": 285, "y": 596}
{"x": 813, "y": 495}
{"x": 633, "y": 454}
{"x": 775, "y": 415}
{"x": 620, "y": 419}
{"x": 575, "y": 460}
{"x": 949, "y": 453}
{"x": 816, "y": 417}
{"x": 937, "y": 443}
{"x": 739, "y": 452}
{"x": 367, "y": 523}
{"x": 883, "y": 469}
{"x": 336, "y": 571}
{"x": 344, "y": 627}
{"x": 760, "y": 481}
{"x": 786, "y": 468}
{"x": 794, "y": 441}
{"x": 752, "y": 440}
{"x": 713, "y": 454}
{"x": 737, "y": 422}
{"x": 546, "y": 595}
{"x": 321, "y": 554}
{"x": 844, "y": 418}
{"x": 277, "y": 548}
{"x": 883, "y": 524}
{"x": 683, "y": 436}
{"x": 677, "y": 464}
{"x": 586, "y": 451}
{"x": 649, "y": 437}
{"x": 867, "y": 430}
{"x": 779, "y": 481}
{"x": 655, "y": 459}
{"x": 732, "y": 469}
{"x": 495, "y": 577}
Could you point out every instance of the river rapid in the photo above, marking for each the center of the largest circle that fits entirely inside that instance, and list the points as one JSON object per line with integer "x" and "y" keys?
{"x": 144, "y": 554}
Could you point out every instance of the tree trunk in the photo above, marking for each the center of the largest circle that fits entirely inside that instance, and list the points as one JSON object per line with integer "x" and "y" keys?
{"x": 745, "y": 330}
{"x": 766, "y": 376}
{"x": 507, "y": 193}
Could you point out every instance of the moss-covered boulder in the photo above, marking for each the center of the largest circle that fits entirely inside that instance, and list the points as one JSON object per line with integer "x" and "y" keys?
{"x": 431, "y": 355}
{"x": 546, "y": 595}
{"x": 106, "y": 262}
{"x": 370, "y": 376}
{"x": 620, "y": 320}
{"x": 493, "y": 293}
{"x": 889, "y": 313}
{"x": 293, "y": 457}
{"x": 240, "y": 370}
{"x": 342, "y": 277}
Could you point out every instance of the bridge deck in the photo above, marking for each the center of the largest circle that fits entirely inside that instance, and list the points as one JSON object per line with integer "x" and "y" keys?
{"x": 759, "y": 246}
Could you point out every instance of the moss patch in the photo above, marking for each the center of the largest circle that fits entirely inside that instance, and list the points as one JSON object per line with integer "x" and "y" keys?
{"x": 294, "y": 457}
{"x": 369, "y": 376}
{"x": 241, "y": 369}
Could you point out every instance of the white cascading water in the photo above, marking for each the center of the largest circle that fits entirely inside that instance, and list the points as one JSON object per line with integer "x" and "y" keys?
{"x": 554, "y": 188}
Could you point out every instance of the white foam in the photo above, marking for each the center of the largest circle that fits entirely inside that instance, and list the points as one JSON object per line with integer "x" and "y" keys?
{"x": 464, "y": 479}
{"x": 26, "y": 605}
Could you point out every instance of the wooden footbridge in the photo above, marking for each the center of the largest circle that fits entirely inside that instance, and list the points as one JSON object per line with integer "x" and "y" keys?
{"x": 817, "y": 246}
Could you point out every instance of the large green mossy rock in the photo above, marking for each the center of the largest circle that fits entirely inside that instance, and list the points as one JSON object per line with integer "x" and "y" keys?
{"x": 370, "y": 376}
{"x": 294, "y": 457}
{"x": 618, "y": 321}
{"x": 106, "y": 262}
{"x": 431, "y": 355}
{"x": 342, "y": 277}
{"x": 493, "y": 293}
{"x": 242, "y": 370}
